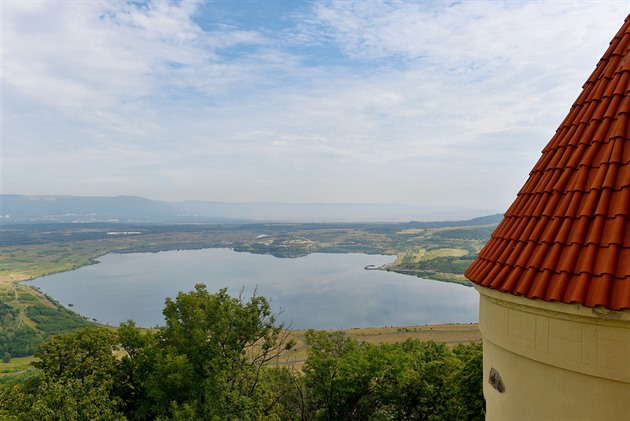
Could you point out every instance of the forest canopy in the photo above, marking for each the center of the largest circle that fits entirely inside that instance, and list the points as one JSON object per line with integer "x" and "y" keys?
{"x": 217, "y": 358}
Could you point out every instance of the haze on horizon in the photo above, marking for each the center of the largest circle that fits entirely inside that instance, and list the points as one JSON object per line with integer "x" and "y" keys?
{"x": 441, "y": 104}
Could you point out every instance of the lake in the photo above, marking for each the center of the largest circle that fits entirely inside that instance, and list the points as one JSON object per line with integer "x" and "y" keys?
{"x": 320, "y": 291}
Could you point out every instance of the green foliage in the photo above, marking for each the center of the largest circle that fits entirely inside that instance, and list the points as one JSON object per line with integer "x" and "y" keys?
{"x": 16, "y": 308}
{"x": 411, "y": 380}
{"x": 75, "y": 382}
{"x": 87, "y": 353}
{"x": 210, "y": 359}
{"x": 469, "y": 381}
{"x": 216, "y": 359}
{"x": 20, "y": 342}
{"x": 469, "y": 233}
{"x": 16, "y": 338}
{"x": 448, "y": 264}
{"x": 55, "y": 320}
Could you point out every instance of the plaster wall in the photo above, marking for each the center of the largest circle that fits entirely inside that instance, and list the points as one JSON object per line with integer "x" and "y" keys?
{"x": 554, "y": 361}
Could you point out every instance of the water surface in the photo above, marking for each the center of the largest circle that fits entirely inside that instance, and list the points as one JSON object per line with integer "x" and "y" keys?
{"x": 320, "y": 291}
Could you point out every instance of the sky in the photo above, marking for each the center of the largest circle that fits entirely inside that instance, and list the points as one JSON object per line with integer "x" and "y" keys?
{"x": 441, "y": 104}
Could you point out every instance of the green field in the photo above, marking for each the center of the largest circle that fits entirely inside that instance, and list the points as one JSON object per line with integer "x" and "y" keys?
{"x": 28, "y": 251}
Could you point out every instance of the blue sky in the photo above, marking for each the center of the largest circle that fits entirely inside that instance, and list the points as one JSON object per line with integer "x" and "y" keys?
{"x": 445, "y": 105}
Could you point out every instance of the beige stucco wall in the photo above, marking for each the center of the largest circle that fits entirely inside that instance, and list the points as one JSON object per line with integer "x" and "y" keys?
{"x": 557, "y": 361}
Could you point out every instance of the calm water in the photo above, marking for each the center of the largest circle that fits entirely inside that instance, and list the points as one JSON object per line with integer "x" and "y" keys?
{"x": 320, "y": 291}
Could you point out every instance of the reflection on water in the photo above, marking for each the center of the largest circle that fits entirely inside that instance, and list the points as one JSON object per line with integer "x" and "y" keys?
{"x": 320, "y": 291}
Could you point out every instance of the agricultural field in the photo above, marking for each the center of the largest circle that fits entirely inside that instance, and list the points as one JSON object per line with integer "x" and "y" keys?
{"x": 429, "y": 250}
{"x": 28, "y": 251}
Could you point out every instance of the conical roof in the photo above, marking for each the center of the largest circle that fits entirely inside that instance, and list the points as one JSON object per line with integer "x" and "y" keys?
{"x": 566, "y": 237}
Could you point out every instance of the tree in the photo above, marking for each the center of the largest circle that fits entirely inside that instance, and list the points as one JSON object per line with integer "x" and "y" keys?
{"x": 341, "y": 375}
{"x": 209, "y": 359}
{"x": 469, "y": 382}
{"x": 75, "y": 381}
{"x": 214, "y": 360}
{"x": 411, "y": 380}
{"x": 84, "y": 354}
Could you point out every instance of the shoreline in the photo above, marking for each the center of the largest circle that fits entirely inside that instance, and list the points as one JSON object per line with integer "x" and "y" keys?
{"x": 23, "y": 279}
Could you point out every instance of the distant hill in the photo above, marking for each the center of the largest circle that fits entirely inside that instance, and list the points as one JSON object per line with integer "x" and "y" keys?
{"x": 482, "y": 220}
{"x": 21, "y": 208}
{"x": 16, "y": 208}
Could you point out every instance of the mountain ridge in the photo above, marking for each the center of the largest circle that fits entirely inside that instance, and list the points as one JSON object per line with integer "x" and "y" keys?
{"x": 15, "y": 208}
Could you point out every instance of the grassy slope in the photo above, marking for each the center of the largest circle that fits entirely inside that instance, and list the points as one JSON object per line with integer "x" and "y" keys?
{"x": 17, "y": 370}
{"x": 28, "y": 317}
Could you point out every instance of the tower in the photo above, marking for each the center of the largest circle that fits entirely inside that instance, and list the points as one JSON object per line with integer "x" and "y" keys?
{"x": 554, "y": 278}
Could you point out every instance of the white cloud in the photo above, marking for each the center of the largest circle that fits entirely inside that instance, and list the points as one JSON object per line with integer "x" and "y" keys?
{"x": 350, "y": 97}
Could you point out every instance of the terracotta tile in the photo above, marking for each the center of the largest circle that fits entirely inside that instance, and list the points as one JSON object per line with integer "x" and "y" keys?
{"x": 620, "y": 203}
{"x": 556, "y": 289}
{"x": 558, "y": 179}
{"x": 613, "y": 231}
{"x": 566, "y": 236}
{"x": 603, "y": 128}
{"x": 620, "y": 129}
{"x": 576, "y": 291}
{"x": 568, "y": 207}
{"x": 609, "y": 179}
{"x": 620, "y": 293}
{"x": 568, "y": 259}
{"x": 578, "y": 230}
{"x": 623, "y": 265}
{"x": 603, "y": 203}
{"x": 552, "y": 204}
{"x": 599, "y": 291}
{"x": 539, "y": 286}
{"x": 613, "y": 88}
{"x": 595, "y": 231}
{"x": 576, "y": 157}
{"x": 564, "y": 155}
{"x": 588, "y": 204}
{"x": 574, "y": 141}
{"x": 622, "y": 47}
{"x": 567, "y": 231}
{"x": 612, "y": 107}
{"x": 512, "y": 280}
{"x": 607, "y": 263}
{"x": 599, "y": 90}
{"x": 578, "y": 179}
{"x": 526, "y": 282}
{"x": 622, "y": 85}
{"x": 591, "y": 109}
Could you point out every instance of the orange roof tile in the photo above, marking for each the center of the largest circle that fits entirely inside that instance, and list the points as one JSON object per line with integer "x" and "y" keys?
{"x": 566, "y": 237}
